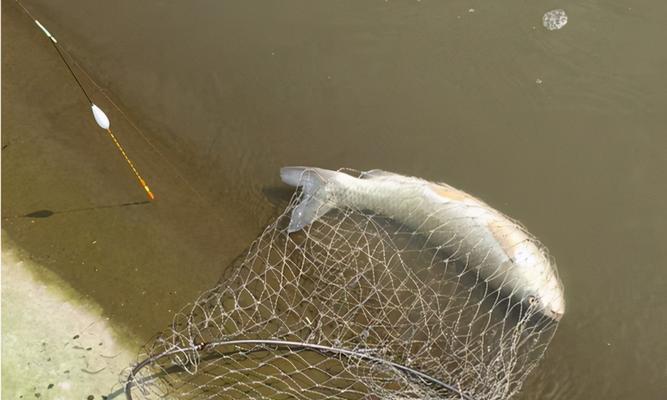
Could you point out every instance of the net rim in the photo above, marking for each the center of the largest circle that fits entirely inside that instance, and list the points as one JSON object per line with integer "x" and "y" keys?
{"x": 130, "y": 381}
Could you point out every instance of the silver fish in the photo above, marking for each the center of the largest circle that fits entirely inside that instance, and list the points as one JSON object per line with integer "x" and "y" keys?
{"x": 503, "y": 252}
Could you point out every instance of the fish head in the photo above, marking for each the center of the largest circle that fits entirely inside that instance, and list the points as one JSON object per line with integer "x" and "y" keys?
{"x": 534, "y": 276}
{"x": 544, "y": 289}
{"x": 548, "y": 299}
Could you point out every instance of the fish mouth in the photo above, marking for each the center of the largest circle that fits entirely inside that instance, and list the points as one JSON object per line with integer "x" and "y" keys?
{"x": 555, "y": 315}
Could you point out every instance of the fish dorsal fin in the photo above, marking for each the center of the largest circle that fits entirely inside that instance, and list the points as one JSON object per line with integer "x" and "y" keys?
{"x": 377, "y": 173}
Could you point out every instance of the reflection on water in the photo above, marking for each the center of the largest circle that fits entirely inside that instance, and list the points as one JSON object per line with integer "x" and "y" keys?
{"x": 231, "y": 91}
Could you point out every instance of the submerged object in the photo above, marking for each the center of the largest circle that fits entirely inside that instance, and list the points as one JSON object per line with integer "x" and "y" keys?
{"x": 554, "y": 20}
{"x": 502, "y": 252}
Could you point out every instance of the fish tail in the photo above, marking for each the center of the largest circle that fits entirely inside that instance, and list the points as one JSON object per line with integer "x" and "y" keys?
{"x": 315, "y": 200}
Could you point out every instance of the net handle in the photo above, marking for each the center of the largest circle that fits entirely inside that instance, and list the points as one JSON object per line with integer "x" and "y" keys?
{"x": 325, "y": 349}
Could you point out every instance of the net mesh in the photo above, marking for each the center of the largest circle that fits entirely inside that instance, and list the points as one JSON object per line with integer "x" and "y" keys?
{"x": 354, "y": 306}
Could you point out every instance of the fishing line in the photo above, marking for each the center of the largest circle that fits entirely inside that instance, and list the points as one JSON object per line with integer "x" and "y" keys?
{"x": 146, "y": 139}
{"x": 99, "y": 115}
{"x": 54, "y": 42}
{"x": 150, "y": 143}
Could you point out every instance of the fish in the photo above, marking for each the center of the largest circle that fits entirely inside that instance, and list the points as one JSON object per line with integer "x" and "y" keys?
{"x": 501, "y": 250}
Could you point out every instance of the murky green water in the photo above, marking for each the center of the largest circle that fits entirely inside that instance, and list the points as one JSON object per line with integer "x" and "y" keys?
{"x": 564, "y": 130}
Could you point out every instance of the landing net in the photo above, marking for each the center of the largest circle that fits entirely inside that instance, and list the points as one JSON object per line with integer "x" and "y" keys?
{"x": 352, "y": 307}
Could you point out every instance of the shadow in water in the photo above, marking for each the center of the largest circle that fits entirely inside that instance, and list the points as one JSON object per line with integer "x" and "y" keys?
{"x": 278, "y": 196}
{"x": 47, "y": 213}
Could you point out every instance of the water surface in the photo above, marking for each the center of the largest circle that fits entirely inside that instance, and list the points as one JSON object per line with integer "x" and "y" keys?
{"x": 563, "y": 130}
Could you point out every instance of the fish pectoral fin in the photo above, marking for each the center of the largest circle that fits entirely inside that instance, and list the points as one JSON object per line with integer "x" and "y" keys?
{"x": 309, "y": 210}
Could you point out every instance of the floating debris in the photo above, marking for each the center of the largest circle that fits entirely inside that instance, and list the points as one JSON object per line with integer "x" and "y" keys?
{"x": 554, "y": 20}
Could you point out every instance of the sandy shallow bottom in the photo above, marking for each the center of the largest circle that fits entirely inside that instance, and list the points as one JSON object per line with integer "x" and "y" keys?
{"x": 55, "y": 343}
